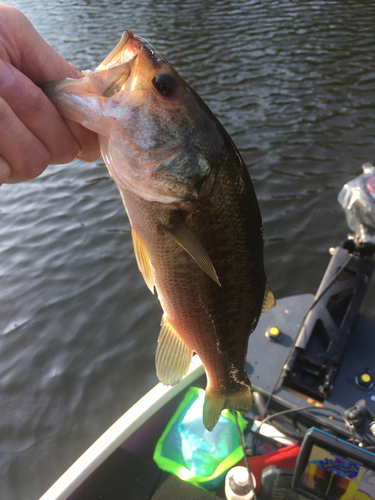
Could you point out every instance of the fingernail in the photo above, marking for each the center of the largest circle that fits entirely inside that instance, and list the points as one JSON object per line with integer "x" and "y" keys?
{"x": 5, "y": 171}
{"x": 6, "y": 73}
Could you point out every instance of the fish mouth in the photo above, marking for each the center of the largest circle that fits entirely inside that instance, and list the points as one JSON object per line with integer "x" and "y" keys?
{"x": 109, "y": 77}
{"x": 127, "y": 49}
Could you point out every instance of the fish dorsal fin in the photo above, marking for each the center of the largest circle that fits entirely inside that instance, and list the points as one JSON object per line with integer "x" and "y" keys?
{"x": 185, "y": 237}
{"x": 268, "y": 300}
{"x": 144, "y": 264}
{"x": 173, "y": 356}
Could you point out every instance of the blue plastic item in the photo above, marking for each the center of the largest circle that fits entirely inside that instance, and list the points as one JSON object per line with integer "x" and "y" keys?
{"x": 191, "y": 452}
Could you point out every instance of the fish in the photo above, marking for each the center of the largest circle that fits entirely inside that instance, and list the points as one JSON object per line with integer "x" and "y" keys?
{"x": 195, "y": 219}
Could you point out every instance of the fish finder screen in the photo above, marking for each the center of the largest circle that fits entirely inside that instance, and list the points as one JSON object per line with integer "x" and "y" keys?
{"x": 332, "y": 476}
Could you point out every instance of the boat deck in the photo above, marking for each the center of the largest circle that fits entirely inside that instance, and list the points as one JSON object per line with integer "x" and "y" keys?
{"x": 119, "y": 465}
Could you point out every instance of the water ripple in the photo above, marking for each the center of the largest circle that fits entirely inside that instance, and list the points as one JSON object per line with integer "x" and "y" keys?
{"x": 294, "y": 84}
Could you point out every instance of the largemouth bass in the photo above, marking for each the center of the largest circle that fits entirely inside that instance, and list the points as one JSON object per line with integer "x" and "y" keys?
{"x": 195, "y": 219}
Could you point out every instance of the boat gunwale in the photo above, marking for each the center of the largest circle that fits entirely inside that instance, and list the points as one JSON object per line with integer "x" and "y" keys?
{"x": 113, "y": 437}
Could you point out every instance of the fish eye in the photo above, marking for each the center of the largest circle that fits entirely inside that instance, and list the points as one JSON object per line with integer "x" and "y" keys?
{"x": 165, "y": 83}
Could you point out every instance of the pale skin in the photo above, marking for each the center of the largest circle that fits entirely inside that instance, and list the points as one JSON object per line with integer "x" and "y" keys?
{"x": 33, "y": 134}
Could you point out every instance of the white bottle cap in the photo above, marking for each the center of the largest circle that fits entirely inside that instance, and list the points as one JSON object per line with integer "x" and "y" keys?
{"x": 240, "y": 476}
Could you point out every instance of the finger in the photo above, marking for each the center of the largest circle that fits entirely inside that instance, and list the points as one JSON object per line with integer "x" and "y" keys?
{"x": 64, "y": 139}
{"x": 25, "y": 49}
{"x": 25, "y": 154}
{"x": 5, "y": 170}
{"x": 38, "y": 114}
{"x": 88, "y": 140}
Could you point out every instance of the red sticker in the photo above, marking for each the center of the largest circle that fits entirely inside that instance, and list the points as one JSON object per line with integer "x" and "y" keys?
{"x": 371, "y": 184}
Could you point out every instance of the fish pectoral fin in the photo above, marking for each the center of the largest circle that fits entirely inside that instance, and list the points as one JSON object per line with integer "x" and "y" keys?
{"x": 144, "y": 264}
{"x": 186, "y": 238}
{"x": 268, "y": 300}
{"x": 214, "y": 403}
{"x": 173, "y": 356}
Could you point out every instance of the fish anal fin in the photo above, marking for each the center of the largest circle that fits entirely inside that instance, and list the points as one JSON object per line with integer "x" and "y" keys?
{"x": 186, "y": 238}
{"x": 173, "y": 356}
{"x": 268, "y": 300}
{"x": 214, "y": 403}
{"x": 144, "y": 264}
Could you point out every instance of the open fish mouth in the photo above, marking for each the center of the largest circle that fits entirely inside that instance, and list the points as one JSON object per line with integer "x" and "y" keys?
{"x": 127, "y": 48}
{"x": 111, "y": 75}
{"x": 109, "y": 78}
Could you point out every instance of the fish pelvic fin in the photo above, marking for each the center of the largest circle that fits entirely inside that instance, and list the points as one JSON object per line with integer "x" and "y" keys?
{"x": 214, "y": 403}
{"x": 173, "y": 356}
{"x": 185, "y": 237}
{"x": 144, "y": 264}
{"x": 269, "y": 300}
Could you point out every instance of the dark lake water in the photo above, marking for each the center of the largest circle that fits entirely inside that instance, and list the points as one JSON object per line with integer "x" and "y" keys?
{"x": 293, "y": 83}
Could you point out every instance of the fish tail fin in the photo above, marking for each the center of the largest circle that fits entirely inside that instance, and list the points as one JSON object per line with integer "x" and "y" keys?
{"x": 215, "y": 402}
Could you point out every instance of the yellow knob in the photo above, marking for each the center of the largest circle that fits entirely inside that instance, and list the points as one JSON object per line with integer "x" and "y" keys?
{"x": 366, "y": 378}
{"x": 273, "y": 333}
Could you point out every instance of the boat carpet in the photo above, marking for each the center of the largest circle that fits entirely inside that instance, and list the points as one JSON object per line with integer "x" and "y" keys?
{"x": 125, "y": 476}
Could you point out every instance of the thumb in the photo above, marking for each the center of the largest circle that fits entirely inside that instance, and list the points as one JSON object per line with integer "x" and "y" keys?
{"x": 26, "y": 50}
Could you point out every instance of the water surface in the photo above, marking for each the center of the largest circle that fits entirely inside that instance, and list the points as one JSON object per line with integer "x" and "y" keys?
{"x": 293, "y": 83}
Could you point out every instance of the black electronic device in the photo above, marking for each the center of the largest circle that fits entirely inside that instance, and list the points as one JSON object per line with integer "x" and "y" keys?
{"x": 319, "y": 348}
{"x": 319, "y": 351}
{"x": 323, "y": 337}
{"x": 328, "y": 468}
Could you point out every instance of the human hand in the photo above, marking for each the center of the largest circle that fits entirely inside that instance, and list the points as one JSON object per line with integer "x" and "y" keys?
{"x": 33, "y": 134}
